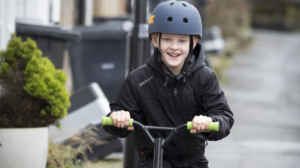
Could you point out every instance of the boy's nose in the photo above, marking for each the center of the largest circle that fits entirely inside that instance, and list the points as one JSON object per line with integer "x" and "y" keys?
{"x": 174, "y": 45}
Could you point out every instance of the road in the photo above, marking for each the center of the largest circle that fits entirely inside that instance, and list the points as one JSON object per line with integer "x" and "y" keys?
{"x": 263, "y": 89}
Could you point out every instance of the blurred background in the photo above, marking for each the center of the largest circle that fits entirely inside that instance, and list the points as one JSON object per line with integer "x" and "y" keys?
{"x": 253, "y": 47}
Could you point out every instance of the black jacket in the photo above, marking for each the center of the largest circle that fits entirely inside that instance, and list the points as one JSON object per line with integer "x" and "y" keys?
{"x": 158, "y": 99}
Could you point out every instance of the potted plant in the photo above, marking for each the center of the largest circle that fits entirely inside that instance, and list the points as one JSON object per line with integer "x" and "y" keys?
{"x": 32, "y": 96}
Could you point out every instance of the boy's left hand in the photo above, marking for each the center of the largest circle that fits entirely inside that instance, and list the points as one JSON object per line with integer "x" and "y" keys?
{"x": 200, "y": 123}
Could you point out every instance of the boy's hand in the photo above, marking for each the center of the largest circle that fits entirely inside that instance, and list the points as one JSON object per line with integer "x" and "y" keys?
{"x": 200, "y": 123}
{"x": 121, "y": 119}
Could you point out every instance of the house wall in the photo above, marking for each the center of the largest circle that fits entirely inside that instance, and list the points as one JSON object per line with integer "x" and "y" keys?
{"x": 7, "y": 21}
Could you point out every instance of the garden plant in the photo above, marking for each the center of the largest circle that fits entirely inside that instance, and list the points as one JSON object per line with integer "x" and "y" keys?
{"x": 32, "y": 91}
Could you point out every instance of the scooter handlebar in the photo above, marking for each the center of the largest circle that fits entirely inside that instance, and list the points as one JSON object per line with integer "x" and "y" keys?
{"x": 213, "y": 126}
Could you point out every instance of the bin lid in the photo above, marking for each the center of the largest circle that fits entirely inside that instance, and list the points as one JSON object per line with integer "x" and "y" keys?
{"x": 35, "y": 27}
{"x": 108, "y": 30}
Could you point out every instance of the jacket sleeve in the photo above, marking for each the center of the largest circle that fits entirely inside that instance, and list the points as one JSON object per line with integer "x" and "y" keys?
{"x": 126, "y": 100}
{"x": 215, "y": 106}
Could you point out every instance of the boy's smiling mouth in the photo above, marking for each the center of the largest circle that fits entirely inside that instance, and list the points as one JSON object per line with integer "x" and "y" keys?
{"x": 173, "y": 54}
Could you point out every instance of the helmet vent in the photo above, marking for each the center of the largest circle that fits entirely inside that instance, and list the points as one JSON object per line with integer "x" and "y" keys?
{"x": 169, "y": 19}
{"x": 184, "y": 4}
{"x": 172, "y": 3}
{"x": 185, "y": 20}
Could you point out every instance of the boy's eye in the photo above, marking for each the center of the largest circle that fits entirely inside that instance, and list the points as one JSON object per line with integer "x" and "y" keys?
{"x": 182, "y": 41}
{"x": 166, "y": 39}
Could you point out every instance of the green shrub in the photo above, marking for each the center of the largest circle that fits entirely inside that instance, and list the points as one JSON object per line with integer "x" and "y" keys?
{"x": 33, "y": 92}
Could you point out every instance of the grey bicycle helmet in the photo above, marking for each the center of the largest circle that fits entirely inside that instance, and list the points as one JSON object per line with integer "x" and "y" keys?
{"x": 176, "y": 17}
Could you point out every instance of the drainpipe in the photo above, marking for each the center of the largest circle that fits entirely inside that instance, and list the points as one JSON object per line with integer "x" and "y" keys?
{"x": 138, "y": 51}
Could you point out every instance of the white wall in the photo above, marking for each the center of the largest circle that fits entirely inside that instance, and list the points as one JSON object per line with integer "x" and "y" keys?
{"x": 89, "y": 10}
{"x": 44, "y": 10}
{"x": 7, "y": 21}
{"x": 33, "y": 9}
{"x": 55, "y": 14}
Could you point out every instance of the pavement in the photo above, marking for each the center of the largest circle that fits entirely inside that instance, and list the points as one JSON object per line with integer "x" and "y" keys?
{"x": 263, "y": 90}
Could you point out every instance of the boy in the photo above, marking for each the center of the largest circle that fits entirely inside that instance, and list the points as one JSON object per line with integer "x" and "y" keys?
{"x": 173, "y": 87}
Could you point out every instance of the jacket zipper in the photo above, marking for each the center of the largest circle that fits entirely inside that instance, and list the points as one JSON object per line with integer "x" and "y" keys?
{"x": 177, "y": 113}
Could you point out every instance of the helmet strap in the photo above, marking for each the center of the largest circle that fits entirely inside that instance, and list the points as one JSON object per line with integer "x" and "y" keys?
{"x": 188, "y": 59}
{"x": 191, "y": 50}
{"x": 159, "y": 37}
{"x": 157, "y": 50}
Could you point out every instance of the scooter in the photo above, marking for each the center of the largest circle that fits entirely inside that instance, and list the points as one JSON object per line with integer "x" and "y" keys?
{"x": 159, "y": 144}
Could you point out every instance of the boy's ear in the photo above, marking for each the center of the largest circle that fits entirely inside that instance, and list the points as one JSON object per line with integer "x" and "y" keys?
{"x": 195, "y": 42}
{"x": 154, "y": 41}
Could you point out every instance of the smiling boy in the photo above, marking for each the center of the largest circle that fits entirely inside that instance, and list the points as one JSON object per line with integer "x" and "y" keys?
{"x": 173, "y": 87}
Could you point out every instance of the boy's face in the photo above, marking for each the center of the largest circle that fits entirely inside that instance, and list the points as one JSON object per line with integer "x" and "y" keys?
{"x": 174, "y": 49}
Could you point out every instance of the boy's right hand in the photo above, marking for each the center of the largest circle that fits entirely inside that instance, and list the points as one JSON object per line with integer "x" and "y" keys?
{"x": 121, "y": 119}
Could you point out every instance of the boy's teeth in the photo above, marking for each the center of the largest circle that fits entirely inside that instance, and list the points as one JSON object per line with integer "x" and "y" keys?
{"x": 174, "y": 54}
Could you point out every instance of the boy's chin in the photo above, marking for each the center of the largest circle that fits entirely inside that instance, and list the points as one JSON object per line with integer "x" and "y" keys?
{"x": 173, "y": 65}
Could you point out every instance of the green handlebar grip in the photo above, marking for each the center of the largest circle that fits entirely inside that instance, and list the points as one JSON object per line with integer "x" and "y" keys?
{"x": 213, "y": 126}
{"x": 107, "y": 121}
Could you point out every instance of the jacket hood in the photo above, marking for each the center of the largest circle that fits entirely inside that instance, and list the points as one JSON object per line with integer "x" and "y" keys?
{"x": 196, "y": 63}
